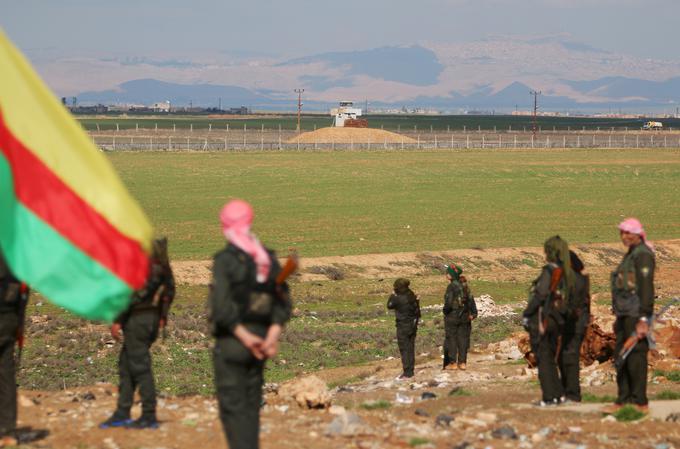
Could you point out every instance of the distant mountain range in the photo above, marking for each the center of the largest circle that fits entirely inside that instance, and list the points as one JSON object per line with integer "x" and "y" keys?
{"x": 495, "y": 73}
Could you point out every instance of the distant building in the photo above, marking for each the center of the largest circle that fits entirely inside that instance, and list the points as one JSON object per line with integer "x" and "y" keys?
{"x": 163, "y": 106}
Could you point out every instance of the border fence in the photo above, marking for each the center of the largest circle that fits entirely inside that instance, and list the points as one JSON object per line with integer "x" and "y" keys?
{"x": 282, "y": 140}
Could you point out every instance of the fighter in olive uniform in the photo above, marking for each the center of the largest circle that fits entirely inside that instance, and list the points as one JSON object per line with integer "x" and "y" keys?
{"x": 459, "y": 311}
{"x": 543, "y": 317}
{"x": 13, "y": 300}
{"x": 407, "y": 313}
{"x": 633, "y": 305}
{"x": 248, "y": 310}
{"x": 575, "y": 325}
{"x": 140, "y": 325}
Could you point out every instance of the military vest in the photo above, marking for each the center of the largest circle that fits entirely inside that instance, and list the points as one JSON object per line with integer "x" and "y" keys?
{"x": 625, "y": 300}
{"x": 255, "y": 300}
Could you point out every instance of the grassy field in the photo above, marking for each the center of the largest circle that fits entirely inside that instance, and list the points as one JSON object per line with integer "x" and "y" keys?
{"x": 340, "y": 203}
{"x": 391, "y": 122}
{"x": 337, "y": 323}
{"x": 348, "y": 203}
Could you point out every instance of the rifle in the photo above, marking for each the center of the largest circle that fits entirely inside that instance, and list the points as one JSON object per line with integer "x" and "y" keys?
{"x": 632, "y": 341}
{"x": 24, "y": 292}
{"x": 291, "y": 265}
{"x": 543, "y": 318}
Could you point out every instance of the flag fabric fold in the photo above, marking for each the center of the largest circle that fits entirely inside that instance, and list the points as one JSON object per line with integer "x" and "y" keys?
{"x": 68, "y": 226}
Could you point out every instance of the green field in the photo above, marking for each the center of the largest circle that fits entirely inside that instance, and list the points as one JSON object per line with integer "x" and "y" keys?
{"x": 340, "y": 203}
{"x": 391, "y": 122}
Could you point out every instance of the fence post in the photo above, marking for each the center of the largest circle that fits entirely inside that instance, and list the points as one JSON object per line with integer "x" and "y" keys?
{"x": 435, "y": 142}
{"x": 515, "y": 142}
{"x": 610, "y": 141}
{"x": 155, "y": 127}
{"x": 117, "y": 128}
{"x": 451, "y": 140}
{"x": 532, "y": 141}
{"x": 418, "y": 147}
{"x": 564, "y": 141}
{"x": 467, "y": 142}
{"x": 500, "y": 141}
{"x": 169, "y": 142}
{"x": 547, "y": 142}
{"x": 136, "y": 127}
{"x": 225, "y": 143}
{"x": 209, "y": 127}
{"x": 174, "y": 128}
{"x": 191, "y": 127}
{"x": 187, "y": 143}
{"x": 578, "y": 141}
{"x": 114, "y": 143}
{"x": 637, "y": 141}
{"x": 483, "y": 142}
{"x": 151, "y": 142}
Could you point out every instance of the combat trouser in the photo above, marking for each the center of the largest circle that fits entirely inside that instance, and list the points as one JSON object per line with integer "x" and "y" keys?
{"x": 9, "y": 323}
{"x": 406, "y": 339}
{"x": 546, "y": 356}
{"x": 134, "y": 364}
{"x": 457, "y": 340}
{"x": 238, "y": 381}
{"x": 632, "y": 377}
{"x": 569, "y": 359}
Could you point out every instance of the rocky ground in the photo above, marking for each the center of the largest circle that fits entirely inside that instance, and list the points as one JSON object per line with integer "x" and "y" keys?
{"x": 487, "y": 406}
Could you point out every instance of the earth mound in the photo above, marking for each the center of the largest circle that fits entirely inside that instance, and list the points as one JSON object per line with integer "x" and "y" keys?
{"x": 350, "y": 135}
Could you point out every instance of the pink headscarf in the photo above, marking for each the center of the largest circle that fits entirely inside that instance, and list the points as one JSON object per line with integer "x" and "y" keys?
{"x": 236, "y": 217}
{"x": 634, "y": 226}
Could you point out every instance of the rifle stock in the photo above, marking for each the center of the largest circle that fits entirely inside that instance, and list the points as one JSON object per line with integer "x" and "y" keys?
{"x": 634, "y": 338}
{"x": 291, "y": 265}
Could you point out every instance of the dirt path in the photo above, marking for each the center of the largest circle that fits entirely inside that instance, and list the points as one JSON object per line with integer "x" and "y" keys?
{"x": 494, "y": 264}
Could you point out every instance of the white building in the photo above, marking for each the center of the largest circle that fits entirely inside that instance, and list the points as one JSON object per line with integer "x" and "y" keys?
{"x": 344, "y": 112}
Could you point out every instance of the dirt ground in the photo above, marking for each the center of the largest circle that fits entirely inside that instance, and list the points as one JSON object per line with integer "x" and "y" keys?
{"x": 495, "y": 264}
{"x": 487, "y": 406}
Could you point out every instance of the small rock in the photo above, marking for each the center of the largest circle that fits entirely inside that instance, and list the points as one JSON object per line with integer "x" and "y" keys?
{"x": 443, "y": 420}
{"x": 191, "y": 417}
{"x": 504, "y": 433}
{"x": 662, "y": 446}
{"x": 308, "y": 392}
{"x": 336, "y": 410}
{"x": 89, "y": 396}
{"x": 421, "y": 412}
{"x": 608, "y": 418}
{"x": 487, "y": 417}
{"x": 575, "y": 429}
{"x": 313, "y": 434}
{"x": 428, "y": 395}
{"x": 25, "y": 402}
{"x": 463, "y": 445}
{"x": 282, "y": 408}
{"x": 403, "y": 399}
{"x": 347, "y": 424}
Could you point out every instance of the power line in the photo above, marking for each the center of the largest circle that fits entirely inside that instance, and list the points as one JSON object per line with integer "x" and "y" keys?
{"x": 535, "y": 114}
{"x": 299, "y": 92}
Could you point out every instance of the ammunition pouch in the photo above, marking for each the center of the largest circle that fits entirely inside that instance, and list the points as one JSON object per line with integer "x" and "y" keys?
{"x": 259, "y": 307}
{"x": 625, "y": 300}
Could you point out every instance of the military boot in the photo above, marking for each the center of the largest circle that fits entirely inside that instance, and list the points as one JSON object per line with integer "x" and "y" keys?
{"x": 144, "y": 422}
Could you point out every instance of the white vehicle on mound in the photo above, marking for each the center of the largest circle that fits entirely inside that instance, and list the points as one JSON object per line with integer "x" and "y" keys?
{"x": 653, "y": 126}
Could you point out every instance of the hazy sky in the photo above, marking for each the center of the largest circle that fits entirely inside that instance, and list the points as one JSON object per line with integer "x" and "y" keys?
{"x": 646, "y": 28}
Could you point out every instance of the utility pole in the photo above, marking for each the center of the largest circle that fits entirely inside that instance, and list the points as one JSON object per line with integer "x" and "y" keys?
{"x": 535, "y": 115}
{"x": 299, "y": 92}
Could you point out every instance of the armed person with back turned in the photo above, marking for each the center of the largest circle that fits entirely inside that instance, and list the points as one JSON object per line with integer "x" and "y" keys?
{"x": 147, "y": 313}
{"x": 249, "y": 305}
{"x": 633, "y": 304}
{"x": 13, "y": 300}
{"x": 407, "y": 313}
{"x": 459, "y": 311}
{"x": 544, "y": 316}
{"x": 576, "y": 323}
